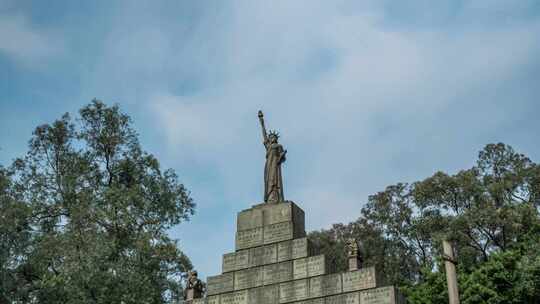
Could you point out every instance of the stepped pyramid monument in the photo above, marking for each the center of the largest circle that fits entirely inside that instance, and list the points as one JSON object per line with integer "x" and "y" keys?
{"x": 274, "y": 262}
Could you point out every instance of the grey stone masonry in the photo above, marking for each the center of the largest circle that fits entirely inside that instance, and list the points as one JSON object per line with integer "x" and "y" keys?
{"x": 269, "y": 223}
{"x": 274, "y": 263}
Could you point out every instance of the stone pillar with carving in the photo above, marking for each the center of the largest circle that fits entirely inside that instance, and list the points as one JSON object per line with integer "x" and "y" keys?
{"x": 354, "y": 255}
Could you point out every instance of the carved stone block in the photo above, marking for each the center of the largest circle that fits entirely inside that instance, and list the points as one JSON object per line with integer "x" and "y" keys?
{"x": 213, "y": 299}
{"x": 301, "y": 289}
{"x": 332, "y": 284}
{"x": 293, "y": 249}
{"x": 242, "y": 259}
{"x": 270, "y": 295}
{"x": 316, "y": 265}
{"x": 300, "y": 269}
{"x": 293, "y": 291}
{"x": 359, "y": 279}
{"x": 316, "y": 287}
{"x": 278, "y": 232}
{"x": 249, "y": 238}
{"x": 237, "y": 297}
{"x": 269, "y": 214}
{"x": 277, "y": 273}
{"x": 248, "y": 278}
{"x": 300, "y": 248}
{"x": 311, "y": 301}
{"x": 285, "y": 271}
{"x": 263, "y": 255}
{"x": 286, "y": 292}
{"x": 317, "y": 301}
{"x": 344, "y": 298}
{"x": 249, "y": 219}
{"x": 284, "y": 251}
{"x": 220, "y": 284}
{"x": 229, "y": 262}
{"x": 381, "y": 295}
{"x": 337, "y": 299}
{"x": 352, "y": 298}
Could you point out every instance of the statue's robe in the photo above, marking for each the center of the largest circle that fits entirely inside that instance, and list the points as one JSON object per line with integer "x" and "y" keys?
{"x": 273, "y": 183}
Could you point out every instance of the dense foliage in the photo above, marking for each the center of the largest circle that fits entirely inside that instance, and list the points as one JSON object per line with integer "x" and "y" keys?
{"x": 490, "y": 212}
{"x": 83, "y": 216}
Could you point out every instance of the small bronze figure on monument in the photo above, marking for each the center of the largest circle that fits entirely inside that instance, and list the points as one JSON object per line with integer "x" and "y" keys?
{"x": 275, "y": 156}
{"x": 194, "y": 287}
{"x": 354, "y": 255}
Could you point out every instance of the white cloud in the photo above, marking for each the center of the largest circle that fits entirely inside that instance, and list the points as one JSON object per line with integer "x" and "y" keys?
{"x": 26, "y": 44}
{"x": 410, "y": 76}
{"x": 361, "y": 101}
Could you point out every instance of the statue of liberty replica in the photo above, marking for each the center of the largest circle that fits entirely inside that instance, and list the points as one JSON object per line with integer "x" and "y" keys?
{"x": 275, "y": 156}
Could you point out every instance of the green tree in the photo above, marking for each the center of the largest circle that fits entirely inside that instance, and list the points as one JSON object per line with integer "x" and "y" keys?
{"x": 14, "y": 241}
{"x": 97, "y": 208}
{"x": 488, "y": 210}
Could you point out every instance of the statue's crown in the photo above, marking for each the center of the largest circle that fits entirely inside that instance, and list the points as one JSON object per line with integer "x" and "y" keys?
{"x": 273, "y": 133}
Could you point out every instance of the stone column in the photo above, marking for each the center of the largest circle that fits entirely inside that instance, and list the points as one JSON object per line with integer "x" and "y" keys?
{"x": 355, "y": 263}
{"x": 451, "y": 278}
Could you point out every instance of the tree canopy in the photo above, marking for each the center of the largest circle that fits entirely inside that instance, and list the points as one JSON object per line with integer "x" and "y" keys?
{"x": 490, "y": 212}
{"x": 85, "y": 213}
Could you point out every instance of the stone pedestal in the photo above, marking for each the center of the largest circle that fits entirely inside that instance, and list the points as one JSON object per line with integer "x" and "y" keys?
{"x": 355, "y": 263}
{"x": 274, "y": 263}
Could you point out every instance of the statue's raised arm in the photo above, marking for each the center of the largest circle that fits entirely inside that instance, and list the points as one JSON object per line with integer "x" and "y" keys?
{"x": 261, "y": 120}
{"x": 275, "y": 156}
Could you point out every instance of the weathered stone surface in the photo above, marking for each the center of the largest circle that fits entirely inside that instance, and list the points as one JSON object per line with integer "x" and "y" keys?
{"x": 300, "y": 248}
{"x": 267, "y": 295}
{"x": 213, "y": 300}
{"x": 284, "y": 251}
{"x": 279, "y": 213}
{"x": 276, "y": 222}
{"x": 300, "y": 268}
{"x": 198, "y": 301}
{"x": 249, "y": 238}
{"x": 220, "y": 284}
{"x": 285, "y": 271}
{"x": 249, "y": 219}
{"x": 359, "y": 279}
{"x": 269, "y": 214}
{"x": 248, "y": 278}
{"x": 278, "y": 232}
{"x": 228, "y": 262}
{"x": 317, "y": 301}
{"x": 282, "y": 212}
{"x": 277, "y": 273}
{"x": 309, "y": 267}
{"x": 316, "y": 265}
{"x": 316, "y": 287}
{"x": 332, "y": 284}
{"x": 274, "y": 264}
{"x": 271, "y": 274}
{"x": 344, "y": 298}
{"x": 242, "y": 259}
{"x": 286, "y": 292}
{"x": 237, "y": 297}
{"x": 381, "y": 295}
{"x": 263, "y": 255}
{"x": 293, "y": 249}
{"x": 293, "y": 291}
{"x": 311, "y": 301}
{"x": 337, "y": 299}
{"x": 301, "y": 289}
{"x": 352, "y": 298}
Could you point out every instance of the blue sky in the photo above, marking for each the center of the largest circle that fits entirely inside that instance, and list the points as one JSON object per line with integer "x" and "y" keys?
{"x": 364, "y": 93}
